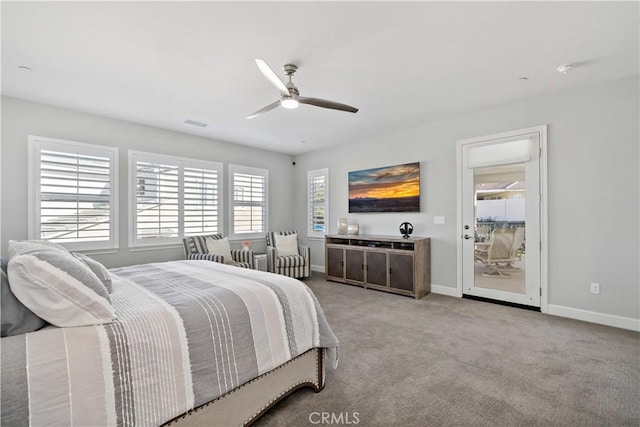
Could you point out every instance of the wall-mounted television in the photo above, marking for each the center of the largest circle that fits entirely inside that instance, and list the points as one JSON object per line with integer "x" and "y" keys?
{"x": 385, "y": 189}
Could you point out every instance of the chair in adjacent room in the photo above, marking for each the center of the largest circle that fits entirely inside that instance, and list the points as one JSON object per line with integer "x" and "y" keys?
{"x": 196, "y": 248}
{"x": 499, "y": 252}
{"x": 286, "y": 257}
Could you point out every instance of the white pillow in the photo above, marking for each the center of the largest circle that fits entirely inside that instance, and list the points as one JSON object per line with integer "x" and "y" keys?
{"x": 220, "y": 247}
{"x": 19, "y": 247}
{"x": 286, "y": 245}
{"x": 59, "y": 288}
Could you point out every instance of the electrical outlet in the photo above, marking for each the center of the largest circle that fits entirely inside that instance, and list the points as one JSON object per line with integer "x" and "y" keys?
{"x": 595, "y": 288}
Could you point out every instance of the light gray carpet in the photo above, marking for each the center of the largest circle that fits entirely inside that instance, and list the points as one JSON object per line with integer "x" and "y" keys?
{"x": 457, "y": 362}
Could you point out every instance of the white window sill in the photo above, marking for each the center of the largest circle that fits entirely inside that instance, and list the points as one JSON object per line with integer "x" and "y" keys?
{"x": 99, "y": 251}
{"x": 155, "y": 247}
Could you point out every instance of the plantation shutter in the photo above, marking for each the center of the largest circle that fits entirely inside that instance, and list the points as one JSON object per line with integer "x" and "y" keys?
{"x": 173, "y": 197}
{"x": 317, "y": 202}
{"x": 249, "y": 200}
{"x": 75, "y": 196}
{"x": 72, "y": 193}
{"x": 157, "y": 199}
{"x": 201, "y": 201}
{"x": 317, "y": 205}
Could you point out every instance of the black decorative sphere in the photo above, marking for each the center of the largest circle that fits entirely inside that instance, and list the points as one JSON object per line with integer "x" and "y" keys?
{"x": 406, "y": 229}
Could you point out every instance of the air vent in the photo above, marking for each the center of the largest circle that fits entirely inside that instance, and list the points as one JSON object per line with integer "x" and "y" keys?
{"x": 194, "y": 123}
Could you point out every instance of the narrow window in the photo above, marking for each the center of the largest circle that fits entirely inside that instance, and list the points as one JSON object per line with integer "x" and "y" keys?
{"x": 249, "y": 202}
{"x": 318, "y": 202}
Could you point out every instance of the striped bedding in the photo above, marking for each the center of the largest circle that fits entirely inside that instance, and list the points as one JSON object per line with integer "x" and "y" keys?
{"x": 187, "y": 332}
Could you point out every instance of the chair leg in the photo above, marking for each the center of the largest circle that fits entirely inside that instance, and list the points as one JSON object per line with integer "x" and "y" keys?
{"x": 494, "y": 271}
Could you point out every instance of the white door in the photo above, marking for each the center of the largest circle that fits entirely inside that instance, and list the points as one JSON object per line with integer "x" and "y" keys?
{"x": 500, "y": 216}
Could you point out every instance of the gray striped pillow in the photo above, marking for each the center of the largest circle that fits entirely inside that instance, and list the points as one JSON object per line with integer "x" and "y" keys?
{"x": 97, "y": 268}
{"x": 59, "y": 288}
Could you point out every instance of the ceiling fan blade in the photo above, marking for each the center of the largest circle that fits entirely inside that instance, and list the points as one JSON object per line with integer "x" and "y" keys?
{"x": 272, "y": 76}
{"x": 327, "y": 104}
{"x": 264, "y": 110}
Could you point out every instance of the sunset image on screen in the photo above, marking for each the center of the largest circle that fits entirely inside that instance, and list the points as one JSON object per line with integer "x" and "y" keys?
{"x": 386, "y": 189}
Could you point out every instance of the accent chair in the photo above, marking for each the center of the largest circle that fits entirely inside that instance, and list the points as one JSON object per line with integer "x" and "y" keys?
{"x": 195, "y": 248}
{"x": 298, "y": 266}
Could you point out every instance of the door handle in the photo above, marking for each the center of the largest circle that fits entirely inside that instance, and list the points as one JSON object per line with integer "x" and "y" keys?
{"x": 466, "y": 236}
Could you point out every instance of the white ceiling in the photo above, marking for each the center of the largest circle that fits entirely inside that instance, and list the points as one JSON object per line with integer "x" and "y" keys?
{"x": 402, "y": 64}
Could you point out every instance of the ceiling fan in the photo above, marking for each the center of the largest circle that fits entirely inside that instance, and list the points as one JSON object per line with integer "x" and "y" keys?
{"x": 289, "y": 94}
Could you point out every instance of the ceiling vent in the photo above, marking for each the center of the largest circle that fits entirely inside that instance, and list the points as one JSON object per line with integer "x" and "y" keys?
{"x": 195, "y": 123}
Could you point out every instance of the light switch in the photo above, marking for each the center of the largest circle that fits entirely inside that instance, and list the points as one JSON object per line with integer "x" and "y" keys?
{"x": 439, "y": 220}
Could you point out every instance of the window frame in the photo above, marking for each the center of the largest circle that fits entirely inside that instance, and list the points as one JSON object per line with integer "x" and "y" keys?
{"x": 311, "y": 233}
{"x": 233, "y": 169}
{"x": 35, "y": 146}
{"x": 181, "y": 163}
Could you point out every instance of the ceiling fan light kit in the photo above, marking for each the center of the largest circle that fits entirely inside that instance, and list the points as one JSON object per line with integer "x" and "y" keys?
{"x": 289, "y": 102}
{"x": 290, "y": 96}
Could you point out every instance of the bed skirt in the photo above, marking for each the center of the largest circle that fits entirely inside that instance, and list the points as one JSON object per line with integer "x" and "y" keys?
{"x": 245, "y": 404}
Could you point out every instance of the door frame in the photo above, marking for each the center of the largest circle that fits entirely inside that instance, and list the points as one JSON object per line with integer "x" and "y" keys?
{"x": 544, "y": 235}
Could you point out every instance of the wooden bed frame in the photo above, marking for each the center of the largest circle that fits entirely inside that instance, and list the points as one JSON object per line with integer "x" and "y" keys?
{"x": 242, "y": 406}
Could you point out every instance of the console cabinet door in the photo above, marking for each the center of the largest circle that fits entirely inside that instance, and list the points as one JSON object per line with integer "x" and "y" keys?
{"x": 354, "y": 265}
{"x": 335, "y": 262}
{"x": 401, "y": 271}
{"x": 377, "y": 268}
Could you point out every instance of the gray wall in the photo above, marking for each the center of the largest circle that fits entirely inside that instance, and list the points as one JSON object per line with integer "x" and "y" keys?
{"x": 593, "y": 189}
{"x": 593, "y": 159}
{"x": 21, "y": 118}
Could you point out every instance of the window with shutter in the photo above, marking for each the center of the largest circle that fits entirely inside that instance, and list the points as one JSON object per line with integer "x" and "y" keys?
{"x": 249, "y": 202}
{"x": 200, "y": 201}
{"x": 157, "y": 200}
{"x": 318, "y": 202}
{"x": 173, "y": 197}
{"x": 73, "y": 193}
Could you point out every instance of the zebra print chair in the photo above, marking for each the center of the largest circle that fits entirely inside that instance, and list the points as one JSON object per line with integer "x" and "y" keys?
{"x": 195, "y": 247}
{"x": 298, "y": 266}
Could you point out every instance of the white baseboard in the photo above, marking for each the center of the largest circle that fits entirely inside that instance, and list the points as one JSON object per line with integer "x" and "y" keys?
{"x": 444, "y": 290}
{"x": 317, "y": 268}
{"x": 595, "y": 317}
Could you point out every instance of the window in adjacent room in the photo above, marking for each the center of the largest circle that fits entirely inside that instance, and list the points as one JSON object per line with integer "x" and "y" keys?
{"x": 173, "y": 197}
{"x": 248, "y": 208}
{"x": 318, "y": 202}
{"x": 73, "y": 193}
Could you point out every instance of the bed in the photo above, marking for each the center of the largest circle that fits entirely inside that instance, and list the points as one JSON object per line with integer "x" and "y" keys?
{"x": 194, "y": 343}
